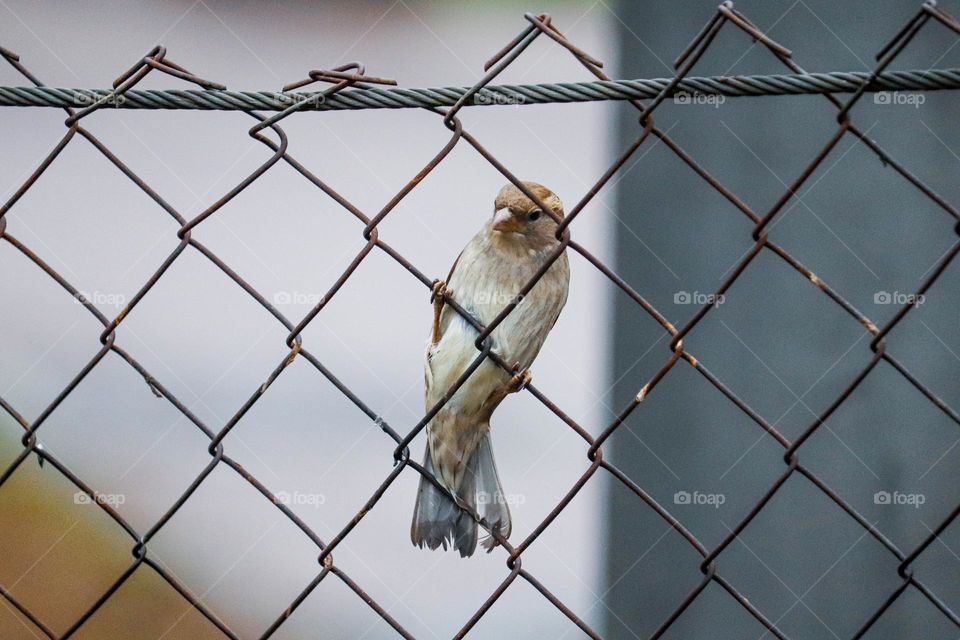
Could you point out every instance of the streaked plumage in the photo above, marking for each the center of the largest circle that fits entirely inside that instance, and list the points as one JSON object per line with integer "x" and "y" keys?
{"x": 502, "y": 257}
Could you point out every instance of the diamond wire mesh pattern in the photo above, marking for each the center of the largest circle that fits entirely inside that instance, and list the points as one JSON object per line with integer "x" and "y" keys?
{"x": 353, "y": 75}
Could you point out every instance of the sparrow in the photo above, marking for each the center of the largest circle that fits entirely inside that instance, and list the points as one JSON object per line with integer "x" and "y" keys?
{"x": 489, "y": 273}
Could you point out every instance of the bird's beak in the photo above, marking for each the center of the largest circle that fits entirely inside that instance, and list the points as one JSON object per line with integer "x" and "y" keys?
{"x": 504, "y": 221}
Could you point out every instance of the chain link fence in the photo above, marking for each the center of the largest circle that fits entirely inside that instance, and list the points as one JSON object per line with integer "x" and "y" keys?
{"x": 350, "y": 87}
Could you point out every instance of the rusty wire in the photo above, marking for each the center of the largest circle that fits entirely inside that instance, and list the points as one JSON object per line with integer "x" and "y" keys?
{"x": 353, "y": 76}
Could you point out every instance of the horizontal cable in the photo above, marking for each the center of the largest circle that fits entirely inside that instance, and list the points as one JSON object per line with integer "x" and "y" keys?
{"x": 402, "y": 98}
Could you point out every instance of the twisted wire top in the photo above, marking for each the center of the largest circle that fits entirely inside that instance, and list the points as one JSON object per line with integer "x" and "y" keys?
{"x": 408, "y": 98}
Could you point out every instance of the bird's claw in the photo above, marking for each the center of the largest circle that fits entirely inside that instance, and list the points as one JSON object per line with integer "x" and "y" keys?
{"x": 520, "y": 381}
{"x": 440, "y": 293}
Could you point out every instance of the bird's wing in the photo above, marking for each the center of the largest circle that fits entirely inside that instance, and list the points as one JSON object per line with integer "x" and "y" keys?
{"x": 444, "y": 323}
{"x": 455, "y": 350}
{"x": 445, "y": 315}
{"x": 454, "y": 266}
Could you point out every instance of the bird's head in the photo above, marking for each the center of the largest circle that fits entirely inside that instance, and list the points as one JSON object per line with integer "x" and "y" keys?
{"x": 515, "y": 213}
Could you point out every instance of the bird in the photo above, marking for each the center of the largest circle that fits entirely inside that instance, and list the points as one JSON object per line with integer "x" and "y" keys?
{"x": 504, "y": 255}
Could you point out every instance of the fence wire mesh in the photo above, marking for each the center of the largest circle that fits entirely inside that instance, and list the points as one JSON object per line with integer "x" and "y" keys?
{"x": 354, "y": 77}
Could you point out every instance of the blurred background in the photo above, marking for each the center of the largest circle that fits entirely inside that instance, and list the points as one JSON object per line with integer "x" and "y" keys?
{"x": 776, "y": 340}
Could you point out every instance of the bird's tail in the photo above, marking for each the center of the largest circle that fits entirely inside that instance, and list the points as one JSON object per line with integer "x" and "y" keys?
{"x": 437, "y": 521}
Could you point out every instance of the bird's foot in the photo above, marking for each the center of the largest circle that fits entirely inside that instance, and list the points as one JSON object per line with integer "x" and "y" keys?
{"x": 438, "y": 297}
{"x": 519, "y": 381}
{"x": 440, "y": 293}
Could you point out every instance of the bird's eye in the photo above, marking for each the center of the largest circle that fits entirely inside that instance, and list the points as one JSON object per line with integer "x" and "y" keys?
{"x": 534, "y": 215}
